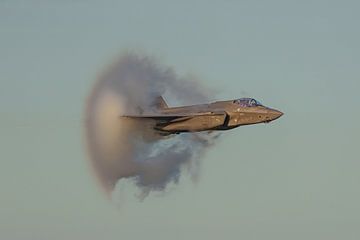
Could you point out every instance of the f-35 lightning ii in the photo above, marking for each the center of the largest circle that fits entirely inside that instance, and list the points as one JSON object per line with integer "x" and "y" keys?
{"x": 220, "y": 115}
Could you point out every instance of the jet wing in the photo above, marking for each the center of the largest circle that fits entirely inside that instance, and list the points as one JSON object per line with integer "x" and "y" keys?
{"x": 185, "y": 122}
{"x": 174, "y": 117}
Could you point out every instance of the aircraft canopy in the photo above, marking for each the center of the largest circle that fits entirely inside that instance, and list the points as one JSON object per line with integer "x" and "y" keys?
{"x": 247, "y": 102}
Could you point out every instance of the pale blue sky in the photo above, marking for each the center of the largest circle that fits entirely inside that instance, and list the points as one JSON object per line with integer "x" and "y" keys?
{"x": 297, "y": 178}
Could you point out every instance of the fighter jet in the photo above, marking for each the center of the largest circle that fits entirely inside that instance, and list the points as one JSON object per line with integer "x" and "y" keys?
{"x": 220, "y": 115}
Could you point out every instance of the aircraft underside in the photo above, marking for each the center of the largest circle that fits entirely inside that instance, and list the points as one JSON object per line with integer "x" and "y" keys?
{"x": 193, "y": 124}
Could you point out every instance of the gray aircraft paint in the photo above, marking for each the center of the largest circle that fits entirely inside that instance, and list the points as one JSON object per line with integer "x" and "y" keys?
{"x": 221, "y": 115}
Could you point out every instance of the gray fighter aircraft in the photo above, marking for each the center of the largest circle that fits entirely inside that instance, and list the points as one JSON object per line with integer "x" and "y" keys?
{"x": 221, "y": 115}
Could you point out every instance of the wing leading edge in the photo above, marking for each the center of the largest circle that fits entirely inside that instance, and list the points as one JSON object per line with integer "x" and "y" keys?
{"x": 159, "y": 116}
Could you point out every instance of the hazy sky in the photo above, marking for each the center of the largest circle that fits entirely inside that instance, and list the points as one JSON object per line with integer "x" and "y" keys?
{"x": 296, "y": 178}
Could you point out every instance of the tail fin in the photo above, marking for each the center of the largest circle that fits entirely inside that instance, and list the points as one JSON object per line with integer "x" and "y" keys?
{"x": 160, "y": 103}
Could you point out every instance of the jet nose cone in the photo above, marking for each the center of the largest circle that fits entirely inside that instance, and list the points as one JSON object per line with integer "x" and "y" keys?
{"x": 273, "y": 115}
{"x": 277, "y": 114}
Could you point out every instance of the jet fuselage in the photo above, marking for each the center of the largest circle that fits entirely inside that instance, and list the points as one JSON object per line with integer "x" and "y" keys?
{"x": 221, "y": 115}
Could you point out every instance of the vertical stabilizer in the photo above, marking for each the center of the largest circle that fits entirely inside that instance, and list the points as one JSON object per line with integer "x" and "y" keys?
{"x": 160, "y": 103}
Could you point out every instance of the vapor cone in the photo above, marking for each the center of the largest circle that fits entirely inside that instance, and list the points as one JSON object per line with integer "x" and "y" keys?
{"x": 121, "y": 148}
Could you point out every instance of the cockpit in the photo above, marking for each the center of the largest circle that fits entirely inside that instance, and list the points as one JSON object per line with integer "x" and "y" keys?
{"x": 247, "y": 102}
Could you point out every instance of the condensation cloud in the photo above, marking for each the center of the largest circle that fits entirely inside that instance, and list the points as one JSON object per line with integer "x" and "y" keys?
{"x": 121, "y": 148}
